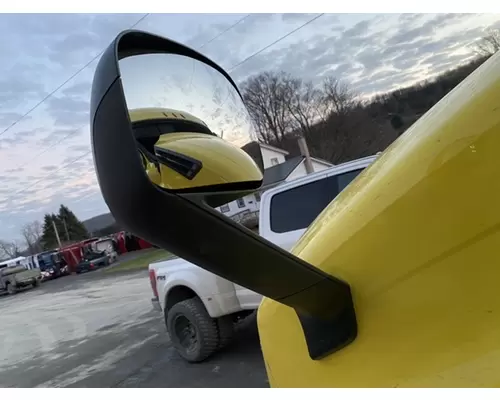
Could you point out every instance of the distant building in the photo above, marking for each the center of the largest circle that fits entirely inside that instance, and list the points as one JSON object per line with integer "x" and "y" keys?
{"x": 278, "y": 167}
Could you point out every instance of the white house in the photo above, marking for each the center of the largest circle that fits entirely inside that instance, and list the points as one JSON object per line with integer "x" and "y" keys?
{"x": 278, "y": 168}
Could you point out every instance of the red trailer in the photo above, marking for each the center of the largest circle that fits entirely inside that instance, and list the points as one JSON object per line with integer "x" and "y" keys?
{"x": 128, "y": 242}
{"x": 143, "y": 244}
{"x": 72, "y": 254}
{"x": 120, "y": 240}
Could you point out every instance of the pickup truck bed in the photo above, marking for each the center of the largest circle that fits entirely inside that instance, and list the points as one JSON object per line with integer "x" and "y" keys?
{"x": 93, "y": 262}
{"x": 14, "y": 278}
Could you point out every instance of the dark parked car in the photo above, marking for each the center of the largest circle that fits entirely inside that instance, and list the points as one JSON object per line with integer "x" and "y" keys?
{"x": 93, "y": 261}
{"x": 52, "y": 265}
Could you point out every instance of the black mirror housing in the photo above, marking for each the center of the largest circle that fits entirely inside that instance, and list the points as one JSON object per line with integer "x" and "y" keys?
{"x": 187, "y": 225}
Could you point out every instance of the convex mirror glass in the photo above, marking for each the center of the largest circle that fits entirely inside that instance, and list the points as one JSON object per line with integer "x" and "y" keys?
{"x": 189, "y": 123}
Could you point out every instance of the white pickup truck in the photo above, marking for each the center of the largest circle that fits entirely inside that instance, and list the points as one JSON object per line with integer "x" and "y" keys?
{"x": 201, "y": 308}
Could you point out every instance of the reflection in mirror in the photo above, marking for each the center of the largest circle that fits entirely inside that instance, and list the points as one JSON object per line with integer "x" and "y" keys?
{"x": 189, "y": 123}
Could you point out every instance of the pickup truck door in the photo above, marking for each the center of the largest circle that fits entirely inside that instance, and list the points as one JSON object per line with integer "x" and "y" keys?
{"x": 248, "y": 299}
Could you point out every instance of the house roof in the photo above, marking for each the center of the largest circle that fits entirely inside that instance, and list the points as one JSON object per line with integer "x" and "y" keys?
{"x": 280, "y": 172}
{"x": 253, "y": 150}
{"x": 320, "y": 161}
{"x": 272, "y": 148}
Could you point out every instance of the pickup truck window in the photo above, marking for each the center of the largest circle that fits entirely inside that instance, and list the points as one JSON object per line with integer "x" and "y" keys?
{"x": 345, "y": 179}
{"x": 298, "y": 207}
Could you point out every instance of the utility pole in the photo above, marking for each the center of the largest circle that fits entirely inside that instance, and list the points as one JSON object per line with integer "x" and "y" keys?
{"x": 65, "y": 228}
{"x": 57, "y": 233}
{"x": 304, "y": 150}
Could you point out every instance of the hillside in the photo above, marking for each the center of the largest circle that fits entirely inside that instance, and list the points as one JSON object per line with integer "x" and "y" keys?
{"x": 98, "y": 223}
{"x": 403, "y": 107}
{"x": 348, "y": 128}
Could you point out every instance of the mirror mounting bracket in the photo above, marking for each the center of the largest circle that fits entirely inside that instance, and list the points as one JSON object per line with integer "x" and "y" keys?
{"x": 326, "y": 336}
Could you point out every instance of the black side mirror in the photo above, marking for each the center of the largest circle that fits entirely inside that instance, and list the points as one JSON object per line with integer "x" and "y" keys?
{"x": 157, "y": 109}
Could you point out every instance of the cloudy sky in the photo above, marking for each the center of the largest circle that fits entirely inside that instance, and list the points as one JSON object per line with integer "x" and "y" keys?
{"x": 45, "y": 157}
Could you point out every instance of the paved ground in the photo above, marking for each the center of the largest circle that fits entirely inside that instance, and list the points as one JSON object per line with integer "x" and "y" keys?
{"x": 99, "y": 331}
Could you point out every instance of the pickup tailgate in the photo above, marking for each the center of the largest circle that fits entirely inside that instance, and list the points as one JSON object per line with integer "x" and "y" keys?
{"x": 155, "y": 301}
{"x": 171, "y": 265}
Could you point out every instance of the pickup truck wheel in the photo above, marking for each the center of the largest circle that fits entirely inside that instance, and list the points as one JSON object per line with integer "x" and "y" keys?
{"x": 11, "y": 289}
{"x": 192, "y": 331}
{"x": 225, "y": 326}
{"x": 36, "y": 283}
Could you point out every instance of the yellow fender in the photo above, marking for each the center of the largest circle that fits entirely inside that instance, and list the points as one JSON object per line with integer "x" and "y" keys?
{"x": 417, "y": 237}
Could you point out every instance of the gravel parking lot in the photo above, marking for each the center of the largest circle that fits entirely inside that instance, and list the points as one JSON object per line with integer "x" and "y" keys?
{"x": 96, "y": 330}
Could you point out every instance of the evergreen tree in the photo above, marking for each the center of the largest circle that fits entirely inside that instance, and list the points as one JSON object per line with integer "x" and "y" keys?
{"x": 49, "y": 238}
{"x": 69, "y": 226}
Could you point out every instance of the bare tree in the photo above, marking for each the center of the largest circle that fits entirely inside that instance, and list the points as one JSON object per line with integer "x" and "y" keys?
{"x": 489, "y": 44}
{"x": 334, "y": 122}
{"x": 9, "y": 249}
{"x": 341, "y": 114}
{"x": 268, "y": 97}
{"x": 32, "y": 234}
{"x": 337, "y": 97}
{"x": 306, "y": 106}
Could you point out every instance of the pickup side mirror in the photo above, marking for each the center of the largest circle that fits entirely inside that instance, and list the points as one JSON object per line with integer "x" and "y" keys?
{"x": 156, "y": 109}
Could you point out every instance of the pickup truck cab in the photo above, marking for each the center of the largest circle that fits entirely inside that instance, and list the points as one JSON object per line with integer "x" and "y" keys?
{"x": 287, "y": 210}
{"x": 13, "y": 278}
{"x": 201, "y": 308}
{"x": 105, "y": 245}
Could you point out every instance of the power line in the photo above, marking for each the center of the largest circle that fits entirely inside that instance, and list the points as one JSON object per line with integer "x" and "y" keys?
{"x": 52, "y": 93}
{"x": 270, "y": 45}
{"x": 211, "y": 40}
{"x": 276, "y": 41}
{"x": 14, "y": 195}
{"x": 62, "y": 85}
{"x": 66, "y": 136}
{"x": 206, "y": 43}
{"x": 86, "y": 65}
{"x": 224, "y": 31}
{"x": 50, "y": 147}
{"x": 95, "y": 58}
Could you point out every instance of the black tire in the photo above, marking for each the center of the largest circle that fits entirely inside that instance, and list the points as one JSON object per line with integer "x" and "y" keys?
{"x": 36, "y": 283}
{"x": 192, "y": 331}
{"x": 225, "y": 326}
{"x": 11, "y": 289}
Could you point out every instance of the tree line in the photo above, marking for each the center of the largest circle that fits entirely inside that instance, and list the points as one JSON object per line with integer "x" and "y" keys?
{"x": 337, "y": 124}
{"x": 37, "y": 236}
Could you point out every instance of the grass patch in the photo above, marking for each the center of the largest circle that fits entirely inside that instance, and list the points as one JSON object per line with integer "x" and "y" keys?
{"x": 142, "y": 261}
